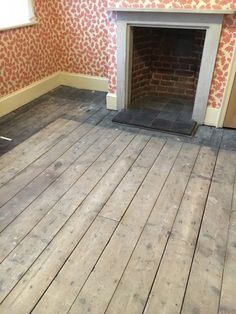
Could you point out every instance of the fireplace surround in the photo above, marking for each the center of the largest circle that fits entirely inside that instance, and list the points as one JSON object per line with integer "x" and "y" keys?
{"x": 211, "y": 23}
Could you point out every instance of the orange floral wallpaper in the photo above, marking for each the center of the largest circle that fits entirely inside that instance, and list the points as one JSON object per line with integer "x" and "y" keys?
{"x": 83, "y": 36}
{"x": 186, "y": 4}
{"x": 80, "y": 36}
{"x": 28, "y": 54}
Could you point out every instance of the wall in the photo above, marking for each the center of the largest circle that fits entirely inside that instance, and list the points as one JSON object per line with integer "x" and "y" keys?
{"x": 70, "y": 36}
{"x": 28, "y": 54}
{"x": 79, "y": 36}
{"x": 83, "y": 33}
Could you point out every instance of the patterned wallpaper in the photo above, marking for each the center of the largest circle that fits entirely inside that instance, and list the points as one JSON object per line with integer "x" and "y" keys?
{"x": 82, "y": 30}
{"x": 28, "y": 54}
{"x": 187, "y": 4}
{"x": 80, "y": 36}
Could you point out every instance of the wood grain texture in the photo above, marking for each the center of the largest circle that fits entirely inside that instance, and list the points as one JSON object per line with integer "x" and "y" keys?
{"x": 81, "y": 217}
{"x": 81, "y": 160}
{"x": 227, "y": 300}
{"x": 131, "y": 295}
{"x": 70, "y": 268}
{"x": 123, "y": 195}
{"x": 173, "y": 271}
{"x": 50, "y": 138}
{"x": 102, "y": 218}
{"x": 58, "y": 215}
{"x": 204, "y": 286}
{"x": 98, "y": 289}
{"x": 42, "y": 163}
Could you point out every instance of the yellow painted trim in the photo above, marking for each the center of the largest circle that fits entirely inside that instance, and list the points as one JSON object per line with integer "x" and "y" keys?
{"x": 227, "y": 93}
{"x": 84, "y": 81}
{"x": 24, "y": 95}
{"x": 212, "y": 116}
{"x": 111, "y": 101}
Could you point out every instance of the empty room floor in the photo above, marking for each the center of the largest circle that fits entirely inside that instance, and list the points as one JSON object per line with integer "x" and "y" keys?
{"x": 101, "y": 218}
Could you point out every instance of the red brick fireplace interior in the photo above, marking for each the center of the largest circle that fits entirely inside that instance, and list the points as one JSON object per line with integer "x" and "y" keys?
{"x": 164, "y": 75}
{"x": 166, "y": 62}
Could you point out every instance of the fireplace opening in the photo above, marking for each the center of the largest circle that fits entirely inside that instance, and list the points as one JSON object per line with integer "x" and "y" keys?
{"x": 164, "y": 70}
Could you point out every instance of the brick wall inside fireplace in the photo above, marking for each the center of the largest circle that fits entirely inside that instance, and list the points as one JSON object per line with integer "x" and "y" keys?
{"x": 166, "y": 62}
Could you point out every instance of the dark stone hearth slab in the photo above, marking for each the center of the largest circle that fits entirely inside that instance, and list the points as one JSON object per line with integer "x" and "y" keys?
{"x": 169, "y": 116}
{"x": 184, "y": 116}
{"x": 125, "y": 116}
{"x": 186, "y": 128}
{"x": 144, "y": 118}
{"x": 162, "y": 124}
{"x": 162, "y": 121}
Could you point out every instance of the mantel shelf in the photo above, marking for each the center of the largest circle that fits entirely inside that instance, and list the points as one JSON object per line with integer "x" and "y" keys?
{"x": 193, "y": 11}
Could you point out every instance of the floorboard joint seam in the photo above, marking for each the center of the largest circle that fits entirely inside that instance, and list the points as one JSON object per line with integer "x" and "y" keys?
{"x": 144, "y": 308}
{"x": 227, "y": 241}
{"x": 120, "y": 219}
{"x": 144, "y": 225}
{"x": 80, "y": 124}
{"x": 98, "y": 215}
{"x": 76, "y": 128}
{"x": 75, "y": 209}
{"x": 90, "y": 131}
{"x": 60, "y": 196}
{"x": 199, "y": 232}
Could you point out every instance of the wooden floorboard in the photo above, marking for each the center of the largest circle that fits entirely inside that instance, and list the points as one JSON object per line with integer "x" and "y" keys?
{"x": 227, "y": 298}
{"x": 69, "y": 270}
{"x": 34, "y": 212}
{"x": 172, "y": 275}
{"x": 81, "y": 217}
{"x": 39, "y": 175}
{"x": 31, "y": 118}
{"x": 101, "y": 218}
{"x": 51, "y": 223}
{"x": 131, "y": 295}
{"x": 47, "y": 139}
{"x": 50, "y": 157}
{"x": 124, "y": 240}
{"x": 204, "y": 286}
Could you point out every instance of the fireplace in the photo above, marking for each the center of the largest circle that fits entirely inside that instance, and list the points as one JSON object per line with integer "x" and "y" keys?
{"x": 165, "y": 64}
{"x": 191, "y": 81}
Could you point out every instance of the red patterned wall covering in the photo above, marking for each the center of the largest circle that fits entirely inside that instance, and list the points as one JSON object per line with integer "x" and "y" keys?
{"x": 28, "y": 54}
{"x": 83, "y": 36}
{"x": 79, "y": 36}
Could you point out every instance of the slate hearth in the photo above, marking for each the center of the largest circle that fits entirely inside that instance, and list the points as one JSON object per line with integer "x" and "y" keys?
{"x": 160, "y": 113}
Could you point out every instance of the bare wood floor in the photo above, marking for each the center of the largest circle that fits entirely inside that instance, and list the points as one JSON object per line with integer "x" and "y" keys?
{"x": 101, "y": 218}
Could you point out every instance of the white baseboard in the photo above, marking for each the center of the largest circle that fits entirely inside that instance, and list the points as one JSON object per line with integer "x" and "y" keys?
{"x": 212, "y": 117}
{"x": 111, "y": 101}
{"x": 84, "y": 81}
{"x": 24, "y": 95}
